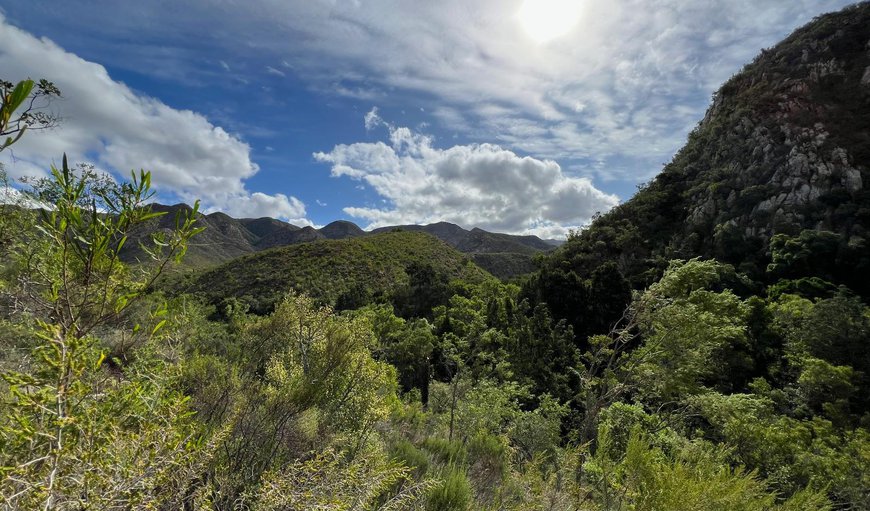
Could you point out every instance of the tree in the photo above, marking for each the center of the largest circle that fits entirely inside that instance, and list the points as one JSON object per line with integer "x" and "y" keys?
{"x": 71, "y": 435}
{"x": 72, "y": 272}
{"x": 14, "y": 221}
{"x": 26, "y": 98}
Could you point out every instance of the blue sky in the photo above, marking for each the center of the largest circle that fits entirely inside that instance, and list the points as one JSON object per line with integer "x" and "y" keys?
{"x": 483, "y": 113}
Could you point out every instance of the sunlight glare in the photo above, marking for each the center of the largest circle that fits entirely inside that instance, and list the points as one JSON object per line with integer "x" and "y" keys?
{"x": 545, "y": 20}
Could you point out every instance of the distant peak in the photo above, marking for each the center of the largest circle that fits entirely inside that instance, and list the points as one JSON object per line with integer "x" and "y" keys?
{"x": 341, "y": 229}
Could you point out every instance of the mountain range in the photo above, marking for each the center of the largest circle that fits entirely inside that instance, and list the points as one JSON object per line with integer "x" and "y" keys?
{"x": 226, "y": 238}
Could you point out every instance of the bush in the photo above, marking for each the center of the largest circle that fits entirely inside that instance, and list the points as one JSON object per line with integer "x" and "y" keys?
{"x": 453, "y": 493}
{"x": 445, "y": 450}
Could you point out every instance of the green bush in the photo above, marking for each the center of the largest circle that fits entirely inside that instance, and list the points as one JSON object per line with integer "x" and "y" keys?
{"x": 489, "y": 454}
{"x": 453, "y": 493}
{"x": 445, "y": 450}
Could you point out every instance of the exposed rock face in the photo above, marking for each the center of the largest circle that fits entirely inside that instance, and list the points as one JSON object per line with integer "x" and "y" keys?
{"x": 786, "y": 142}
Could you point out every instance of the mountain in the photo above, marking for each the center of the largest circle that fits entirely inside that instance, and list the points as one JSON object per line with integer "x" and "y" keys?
{"x": 341, "y": 229}
{"x": 784, "y": 148}
{"x": 270, "y": 232}
{"x": 478, "y": 240}
{"x": 504, "y": 255}
{"x": 328, "y": 269}
{"x": 773, "y": 180}
{"x": 226, "y": 238}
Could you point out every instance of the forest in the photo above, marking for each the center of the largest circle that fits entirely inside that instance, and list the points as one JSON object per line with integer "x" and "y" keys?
{"x": 647, "y": 364}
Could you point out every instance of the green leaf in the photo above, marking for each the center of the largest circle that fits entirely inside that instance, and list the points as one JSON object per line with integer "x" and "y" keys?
{"x": 158, "y": 326}
{"x": 19, "y": 94}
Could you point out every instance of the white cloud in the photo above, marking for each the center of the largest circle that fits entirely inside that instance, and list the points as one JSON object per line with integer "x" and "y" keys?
{"x": 372, "y": 119}
{"x": 480, "y": 185}
{"x": 260, "y": 204}
{"x": 624, "y": 85}
{"x": 273, "y": 71}
{"x": 105, "y": 122}
{"x": 614, "y": 97}
{"x": 9, "y": 195}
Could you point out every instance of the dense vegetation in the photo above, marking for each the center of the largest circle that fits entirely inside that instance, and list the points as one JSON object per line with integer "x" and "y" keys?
{"x": 635, "y": 370}
{"x": 350, "y": 271}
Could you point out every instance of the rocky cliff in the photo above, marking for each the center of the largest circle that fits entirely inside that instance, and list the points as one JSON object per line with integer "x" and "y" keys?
{"x": 783, "y": 148}
{"x": 785, "y": 145}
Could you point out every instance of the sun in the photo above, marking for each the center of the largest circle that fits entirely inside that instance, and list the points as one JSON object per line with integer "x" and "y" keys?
{"x": 545, "y": 20}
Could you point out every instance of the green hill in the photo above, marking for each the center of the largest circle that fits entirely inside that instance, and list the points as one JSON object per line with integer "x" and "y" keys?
{"x": 328, "y": 269}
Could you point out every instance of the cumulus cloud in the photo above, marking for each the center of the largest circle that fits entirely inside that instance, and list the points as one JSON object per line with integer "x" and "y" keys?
{"x": 260, "y": 204}
{"x": 106, "y": 123}
{"x": 478, "y": 185}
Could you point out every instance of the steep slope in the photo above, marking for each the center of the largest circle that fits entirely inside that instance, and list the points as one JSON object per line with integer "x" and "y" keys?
{"x": 226, "y": 238}
{"x": 505, "y": 265}
{"x": 477, "y": 240}
{"x": 326, "y": 269}
{"x": 772, "y": 180}
{"x": 266, "y": 226}
{"x": 452, "y": 234}
{"x": 784, "y": 147}
{"x": 484, "y": 242}
{"x": 271, "y": 232}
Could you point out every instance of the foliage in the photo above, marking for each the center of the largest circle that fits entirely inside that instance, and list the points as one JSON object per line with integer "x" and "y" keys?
{"x": 327, "y": 269}
{"x": 27, "y": 99}
{"x": 72, "y": 433}
{"x": 304, "y": 378}
{"x": 686, "y": 327}
{"x": 695, "y": 477}
{"x": 72, "y": 272}
{"x": 453, "y": 493}
{"x": 631, "y": 371}
{"x": 329, "y": 482}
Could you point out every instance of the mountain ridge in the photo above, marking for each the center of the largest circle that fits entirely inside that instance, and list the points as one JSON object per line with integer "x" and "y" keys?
{"x": 226, "y": 238}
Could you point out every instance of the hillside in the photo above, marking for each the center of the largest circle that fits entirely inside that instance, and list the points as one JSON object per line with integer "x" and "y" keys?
{"x": 226, "y": 238}
{"x": 477, "y": 240}
{"x": 327, "y": 269}
{"x": 504, "y": 255}
{"x": 784, "y": 147}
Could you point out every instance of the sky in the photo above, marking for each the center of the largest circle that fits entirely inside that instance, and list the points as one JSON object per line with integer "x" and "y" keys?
{"x": 517, "y": 116}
